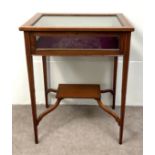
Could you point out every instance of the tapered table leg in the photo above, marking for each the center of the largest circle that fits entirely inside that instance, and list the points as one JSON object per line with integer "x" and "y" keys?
{"x": 45, "y": 80}
{"x": 114, "y": 81}
{"x": 29, "y": 59}
{"x": 124, "y": 85}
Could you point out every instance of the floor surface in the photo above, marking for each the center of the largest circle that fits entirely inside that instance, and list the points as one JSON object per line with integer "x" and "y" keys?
{"x": 77, "y": 130}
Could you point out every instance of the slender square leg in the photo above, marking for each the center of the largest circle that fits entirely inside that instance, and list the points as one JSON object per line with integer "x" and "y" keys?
{"x": 45, "y": 80}
{"x": 29, "y": 59}
{"x": 114, "y": 81}
{"x": 124, "y": 85}
{"x": 123, "y": 97}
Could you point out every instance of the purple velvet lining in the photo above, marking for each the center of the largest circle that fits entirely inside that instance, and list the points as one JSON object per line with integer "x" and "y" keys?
{"x": 84, "y": 42}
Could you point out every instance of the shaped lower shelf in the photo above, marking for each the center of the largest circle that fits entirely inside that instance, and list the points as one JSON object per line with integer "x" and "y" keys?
{"x": 78, "y": 91}
{"x": 91, "y": 91}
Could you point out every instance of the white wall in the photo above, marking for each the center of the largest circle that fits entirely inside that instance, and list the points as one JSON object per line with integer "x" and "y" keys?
{"x": 70, "y": 70}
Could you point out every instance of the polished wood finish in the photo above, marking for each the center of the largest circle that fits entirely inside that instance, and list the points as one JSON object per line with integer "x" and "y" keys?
{"x": 49, "y": 109}
{"x": 61, "y": 52}
{"x": 124, "y": 83}
{"x": 77, "y": 91}
{"x": 107, "y": 91}
{"x": 110, "y": 112}
{"x": 29, "y": 59}
{"x": 51, "y": 90}
{"x": 45, "y": 80}
{"x": 114, "y": 81}
{"x": 85, "y": 91}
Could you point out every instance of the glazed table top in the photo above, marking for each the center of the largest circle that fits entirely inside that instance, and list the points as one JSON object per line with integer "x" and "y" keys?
{"x": 105, "y": 22}
{"x": 77, "y": 21}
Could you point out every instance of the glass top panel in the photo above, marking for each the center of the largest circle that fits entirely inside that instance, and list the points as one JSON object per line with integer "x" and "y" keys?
{"x": 77, "y": 21}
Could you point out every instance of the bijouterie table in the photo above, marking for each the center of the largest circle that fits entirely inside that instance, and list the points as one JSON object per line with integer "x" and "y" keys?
{"x": 78, "y": 35}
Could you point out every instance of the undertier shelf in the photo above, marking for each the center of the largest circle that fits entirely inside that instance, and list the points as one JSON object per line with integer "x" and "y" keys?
{"x": 78, "y": 91}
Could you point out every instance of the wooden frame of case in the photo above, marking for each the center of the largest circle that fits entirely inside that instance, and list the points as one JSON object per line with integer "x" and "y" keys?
{"x": 124, "y": 33}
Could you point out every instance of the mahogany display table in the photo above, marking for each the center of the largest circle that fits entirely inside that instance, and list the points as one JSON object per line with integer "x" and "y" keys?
{"x": 78, "y": 35}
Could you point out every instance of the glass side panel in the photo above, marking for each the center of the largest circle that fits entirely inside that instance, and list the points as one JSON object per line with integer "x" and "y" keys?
{"x": 78, "y": 42}
{"x": 78, "y": 21}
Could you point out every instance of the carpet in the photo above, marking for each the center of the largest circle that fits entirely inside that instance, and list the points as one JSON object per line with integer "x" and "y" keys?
{"x": 76, "y": 130}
